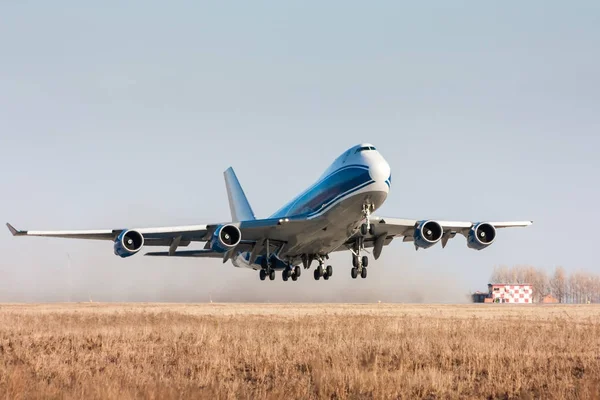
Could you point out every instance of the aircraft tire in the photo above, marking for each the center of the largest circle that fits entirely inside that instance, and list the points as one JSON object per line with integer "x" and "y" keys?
{"x": 272, "y": 275}
{"x": 316, "y": 274}
{"x": 297, "y": 272}
{"x": 354, "y": 261}
{"x": 285, "y": 276}
{"x": 365, "y": 261}
{"x": 326, "y": 277}
{"x": 363, "y": 273}
{"x": 329, "y": 271}
{"x": 364, "y": 229}
{"x": 353, "y": 273}
{"x": 294, "y": 277}
{"x": 262, "y": 274}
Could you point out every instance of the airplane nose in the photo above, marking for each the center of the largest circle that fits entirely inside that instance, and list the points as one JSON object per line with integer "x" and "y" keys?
{"x": 379, "y": 169}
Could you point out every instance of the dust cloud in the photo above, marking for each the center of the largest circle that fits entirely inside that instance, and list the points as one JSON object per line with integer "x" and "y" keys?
{"x": 50, "y": 271}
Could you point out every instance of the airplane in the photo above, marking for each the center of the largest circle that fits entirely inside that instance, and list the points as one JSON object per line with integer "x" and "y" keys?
{"x": 334, "y": 214}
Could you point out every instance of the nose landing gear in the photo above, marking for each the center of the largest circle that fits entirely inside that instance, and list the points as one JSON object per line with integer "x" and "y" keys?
{"x": 366, "y": 228}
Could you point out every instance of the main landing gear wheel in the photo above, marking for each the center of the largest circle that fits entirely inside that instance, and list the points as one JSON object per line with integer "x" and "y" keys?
{"x": 272, "y": 275}
{"x": 364, "y": 229}
{"x": 297, "y": 272}
{"x": 285, "y": 275}
{"x": 321, "y": 271}
{"x": 359, "y": 266}
{"x": 262, "y": 274}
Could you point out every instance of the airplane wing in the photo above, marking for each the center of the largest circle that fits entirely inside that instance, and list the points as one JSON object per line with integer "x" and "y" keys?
{"x": 254, "y": 234}
{"x": 152, "y": 236}
{"x": 384, "y": 230}
{"x": 405, "y": 227}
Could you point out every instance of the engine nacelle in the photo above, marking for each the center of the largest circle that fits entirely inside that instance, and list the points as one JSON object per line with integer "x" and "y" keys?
{"x": 427, "y": 233}
{"x": 225, "y": 238}
{"x": 128, "y": 243}
{"x": 481, "y": 236}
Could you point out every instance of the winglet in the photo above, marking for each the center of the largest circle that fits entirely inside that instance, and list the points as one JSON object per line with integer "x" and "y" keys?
{"x": 14, "y": 231}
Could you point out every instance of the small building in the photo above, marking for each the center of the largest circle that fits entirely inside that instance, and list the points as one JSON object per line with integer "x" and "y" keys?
{"x": 549, "y": 299}
{"x": 505, "y": 293}
{"x": 479, "y": 297}
{"x": 511, "y": 293}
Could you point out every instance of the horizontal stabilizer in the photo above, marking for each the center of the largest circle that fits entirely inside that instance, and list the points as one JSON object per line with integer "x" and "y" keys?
{"x": 187, "y": 253}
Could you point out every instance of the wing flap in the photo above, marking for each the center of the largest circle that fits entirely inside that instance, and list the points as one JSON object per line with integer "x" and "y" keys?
{"x": 513, "y": 224}
{"x": 186, "y": 253}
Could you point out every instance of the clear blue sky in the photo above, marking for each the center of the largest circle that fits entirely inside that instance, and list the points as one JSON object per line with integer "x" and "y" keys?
{"x": 123, "y": 115}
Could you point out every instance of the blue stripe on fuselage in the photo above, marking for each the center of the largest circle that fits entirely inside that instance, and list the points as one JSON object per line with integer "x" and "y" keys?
{"x": 329, "y": 189}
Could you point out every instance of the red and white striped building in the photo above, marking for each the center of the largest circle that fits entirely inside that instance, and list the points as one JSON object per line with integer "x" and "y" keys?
{"x": 507, "y": 293}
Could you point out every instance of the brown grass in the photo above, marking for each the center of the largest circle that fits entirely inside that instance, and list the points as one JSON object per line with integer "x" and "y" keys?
{"x": 299, "y": 351}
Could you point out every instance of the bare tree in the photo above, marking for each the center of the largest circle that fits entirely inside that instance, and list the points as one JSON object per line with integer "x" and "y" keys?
{"x": 558, "y": 284}
{"x": 576, "y": 287}
{"x": 543, "y": 283}
{"x": 501, "y": 274}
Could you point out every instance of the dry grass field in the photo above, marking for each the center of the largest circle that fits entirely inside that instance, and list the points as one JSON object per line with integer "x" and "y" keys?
{"x": 304, "y": 351}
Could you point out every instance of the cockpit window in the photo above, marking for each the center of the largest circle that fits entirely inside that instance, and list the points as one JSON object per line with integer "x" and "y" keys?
{"x": 372, "y": 148}
{"x": 362, "y": 149}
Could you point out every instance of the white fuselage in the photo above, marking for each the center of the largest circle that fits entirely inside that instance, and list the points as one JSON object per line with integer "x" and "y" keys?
{"x": 335, "y": 203}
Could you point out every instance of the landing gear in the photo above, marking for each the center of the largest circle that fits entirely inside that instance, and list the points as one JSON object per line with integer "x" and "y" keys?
{"x": 291, "y": 272}
{"x": 366, "y": 228}
{"x": 267, "y": 263}
{"x": 359, "y": 263}
{"x": 266, "y": 270}
{"x": 263, "y": 273}
{"x": 355, "y": 271}
{"x": 322, "y": 271}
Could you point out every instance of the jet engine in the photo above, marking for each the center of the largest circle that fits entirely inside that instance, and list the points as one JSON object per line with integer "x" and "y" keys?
{"x": 225, "y": 238}
{"x": 481, "y": 236}
{"x": 128, "y": 243}
{"x": 427, "y": 233}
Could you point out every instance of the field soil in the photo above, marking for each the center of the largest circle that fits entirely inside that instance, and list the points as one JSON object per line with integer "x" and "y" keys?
{"x": 336, "y": 351}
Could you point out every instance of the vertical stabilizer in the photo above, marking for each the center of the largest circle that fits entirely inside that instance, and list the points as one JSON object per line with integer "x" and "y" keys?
{"x": 238, "y": 203}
